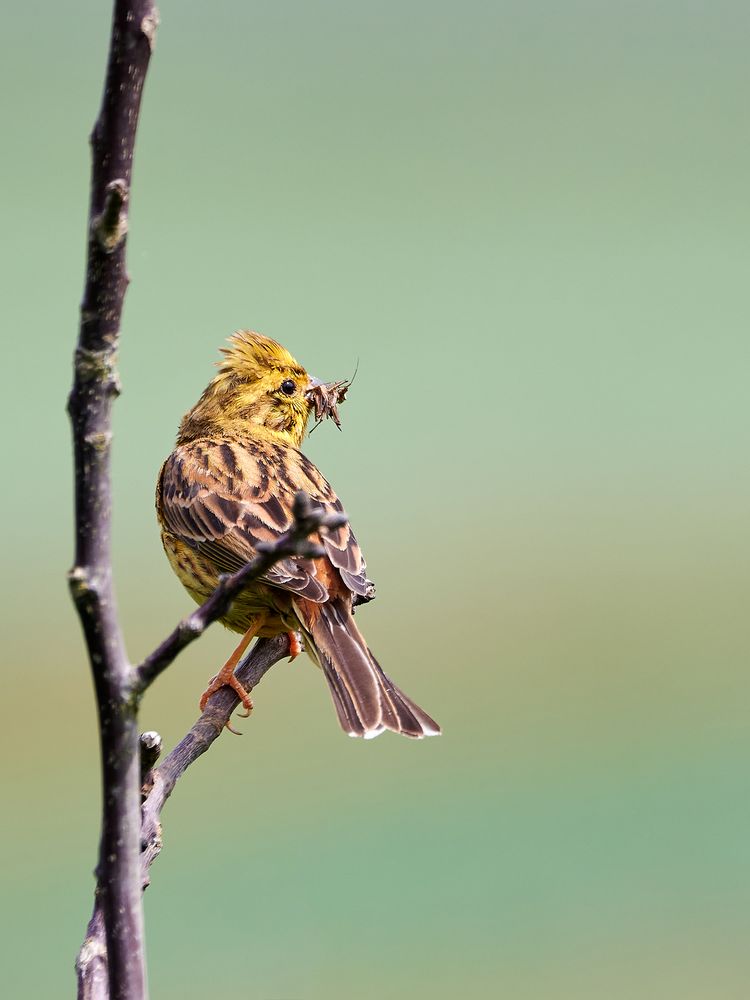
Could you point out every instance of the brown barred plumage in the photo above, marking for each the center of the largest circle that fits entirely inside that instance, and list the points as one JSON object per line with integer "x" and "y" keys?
{"x": 229, "y": 484}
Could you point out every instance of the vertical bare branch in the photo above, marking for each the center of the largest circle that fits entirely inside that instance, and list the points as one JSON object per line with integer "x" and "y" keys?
{"x": 95, "y": 385}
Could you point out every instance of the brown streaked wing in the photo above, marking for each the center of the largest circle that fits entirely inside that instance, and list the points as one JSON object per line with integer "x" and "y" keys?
{"x": 222, "y": 498}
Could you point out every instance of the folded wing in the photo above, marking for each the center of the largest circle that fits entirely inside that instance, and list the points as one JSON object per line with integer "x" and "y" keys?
{"x": 223, "y": 498}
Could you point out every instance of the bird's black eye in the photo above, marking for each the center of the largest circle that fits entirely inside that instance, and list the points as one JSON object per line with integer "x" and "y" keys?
{"x": 288, "y": 387}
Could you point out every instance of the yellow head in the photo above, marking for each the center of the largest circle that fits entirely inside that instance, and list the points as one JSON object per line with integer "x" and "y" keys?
{"x": 260, "y": 389}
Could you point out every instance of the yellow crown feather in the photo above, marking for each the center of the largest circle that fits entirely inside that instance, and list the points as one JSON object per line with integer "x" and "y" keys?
{"x": 252, "y": 354}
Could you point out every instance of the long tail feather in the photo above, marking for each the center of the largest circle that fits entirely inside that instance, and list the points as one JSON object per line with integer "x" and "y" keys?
{"x": 367, "y": 701}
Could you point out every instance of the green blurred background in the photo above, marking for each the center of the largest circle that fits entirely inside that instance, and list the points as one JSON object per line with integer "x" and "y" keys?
{"x": 529, "y": 222}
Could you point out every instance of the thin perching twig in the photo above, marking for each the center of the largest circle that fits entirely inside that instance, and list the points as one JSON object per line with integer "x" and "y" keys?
{"x": 161, "y": 781}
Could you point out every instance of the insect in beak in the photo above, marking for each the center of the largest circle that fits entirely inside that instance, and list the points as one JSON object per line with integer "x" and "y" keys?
{"x": 325, "y": 397}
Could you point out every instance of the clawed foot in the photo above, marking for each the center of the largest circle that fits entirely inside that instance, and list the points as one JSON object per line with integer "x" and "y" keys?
{"x": 226, "y": 678}
{"x": 231, "y": 681}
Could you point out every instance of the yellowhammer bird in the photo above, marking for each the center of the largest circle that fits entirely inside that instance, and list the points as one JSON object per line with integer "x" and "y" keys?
{"x": 228, "y": 485}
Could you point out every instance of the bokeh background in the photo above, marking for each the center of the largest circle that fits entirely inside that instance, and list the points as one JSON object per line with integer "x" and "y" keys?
{"x": 529, "y": 223}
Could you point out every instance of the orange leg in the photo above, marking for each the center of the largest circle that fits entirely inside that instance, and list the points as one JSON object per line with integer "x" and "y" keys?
{"x": 295, "y": 647}
{"x": 225, "y": 676}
